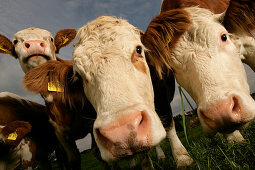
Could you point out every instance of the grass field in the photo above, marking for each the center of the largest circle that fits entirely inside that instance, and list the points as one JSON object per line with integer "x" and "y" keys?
{"x": 208, "y": 153}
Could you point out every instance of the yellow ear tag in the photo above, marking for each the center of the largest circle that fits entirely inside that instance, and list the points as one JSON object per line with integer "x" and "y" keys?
{"x": 13, "y": 136}
{"x": 65, "y": 40}
{"x": 55, "y": 86}
{"x": 1, "y": 48}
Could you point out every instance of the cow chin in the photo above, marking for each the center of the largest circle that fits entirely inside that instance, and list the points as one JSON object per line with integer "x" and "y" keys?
{"x": 36, "y": 60}
{"x": 116, "y": 151}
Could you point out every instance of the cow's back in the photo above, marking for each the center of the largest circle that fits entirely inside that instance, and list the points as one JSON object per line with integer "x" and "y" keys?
{"x": 13, "y": 109}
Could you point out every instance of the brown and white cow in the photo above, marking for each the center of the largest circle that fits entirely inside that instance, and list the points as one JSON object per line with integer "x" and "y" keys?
{"x": 26, "y": 135}
{"x": 110, "y": 67}
{"x": 35, "y": 46}
{"x": 69, "y": 112}
{"x": 109, "y": 56}
{"x": 206, "y": 59}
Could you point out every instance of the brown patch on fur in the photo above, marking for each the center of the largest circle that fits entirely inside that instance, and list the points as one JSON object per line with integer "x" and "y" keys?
{"x": 240, "y": 16}
{"x": 60, "y": 114}
{"x": 137, "y": 61}
{"x": 20, "y": 127}
{"x": 36, "y": 80}
{"x": 63, "y": 38}
{"x": 6, "y": 46}
{"x": 215, "y": 6}
{"x": 162, "y": 34}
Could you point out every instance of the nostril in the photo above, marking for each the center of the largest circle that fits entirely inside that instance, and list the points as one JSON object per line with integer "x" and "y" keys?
{"x": 236, "y": 108}
{"x": 144, "y": 124}
{"x": 141, "y": 121}
{"x": 42, "y": 44}
{"x": 27, "y": 45}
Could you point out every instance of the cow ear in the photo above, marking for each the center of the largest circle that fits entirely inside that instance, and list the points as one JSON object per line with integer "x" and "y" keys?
{"x": 162, "y": 34}
{"x": 6, "y": 46}
{"x": 239, "y": 17}
{"x": 15, "y": 131}
{"x": 63, "y": 38}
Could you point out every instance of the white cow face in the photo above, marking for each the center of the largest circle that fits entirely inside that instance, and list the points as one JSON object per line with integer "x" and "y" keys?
{"x": 109, "y": 56}
{"x": 206, "y": 61}
{"x": 208, "y": 65}
{"x": 33, "y": 47}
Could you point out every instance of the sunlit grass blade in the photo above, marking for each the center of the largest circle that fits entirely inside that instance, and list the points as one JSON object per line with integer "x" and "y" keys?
{"x": 230, "y": 162}
{"x": 185, "y": 130}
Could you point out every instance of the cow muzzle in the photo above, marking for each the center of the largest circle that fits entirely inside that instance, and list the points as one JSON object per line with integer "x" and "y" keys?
{"x": 36, "y": 51}
{"x": 223, "y": 116}
{"x": 129, "y": 134}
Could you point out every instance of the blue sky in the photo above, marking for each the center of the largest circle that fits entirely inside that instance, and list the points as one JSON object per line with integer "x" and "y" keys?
{"x": 54, "y": 15}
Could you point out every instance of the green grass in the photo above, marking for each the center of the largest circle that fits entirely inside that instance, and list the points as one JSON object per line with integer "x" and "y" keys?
{"x": 210, "y": 153}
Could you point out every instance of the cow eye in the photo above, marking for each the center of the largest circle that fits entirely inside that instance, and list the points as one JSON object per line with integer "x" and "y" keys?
{"x": 224, "y": 37}
{"x": 139, "y": 50}
{"x": 15, "y": 42}
{"x": 51, "y": 39}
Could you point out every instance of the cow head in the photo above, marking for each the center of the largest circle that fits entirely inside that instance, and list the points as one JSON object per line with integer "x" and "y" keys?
{"x": 109, "y": 56}
{"x": 35, "y": 46}
{"x": 206, "y": 61}
{"x": 13, "y": 132}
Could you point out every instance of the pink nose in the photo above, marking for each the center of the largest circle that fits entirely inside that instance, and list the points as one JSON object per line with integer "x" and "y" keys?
{"x": 35, "y": 47}
{"x": 223, "y": 116}
{"x": 130, "y": 131}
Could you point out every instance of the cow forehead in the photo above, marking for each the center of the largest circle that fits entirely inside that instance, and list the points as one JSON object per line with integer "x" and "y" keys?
{"x": 32, "y": 32}
{"x": 109, "y": 34}
{"x": 205, "y": 26}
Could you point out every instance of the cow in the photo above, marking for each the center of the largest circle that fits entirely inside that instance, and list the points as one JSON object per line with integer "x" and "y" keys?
{"x": 69, "y": 111}
{"x": 110, "y": 71}
{"x": 34, "y": 46}
{"x": 194, "y": 41}
{"x": 26, "y": 135}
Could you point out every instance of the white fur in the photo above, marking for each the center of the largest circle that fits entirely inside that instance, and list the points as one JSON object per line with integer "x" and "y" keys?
{"x": 208, "y": 71}
{"x": 25, "y": 150}
{"x": 102, "y": 56}
{"x": 160, "y": 153}
{"x": 48, "y": 98}
{"x": 179, "y": 152}
{"x": 248, "y": 50}
{"x": 236, "y": 136}
{"x": 32, "y": 34}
